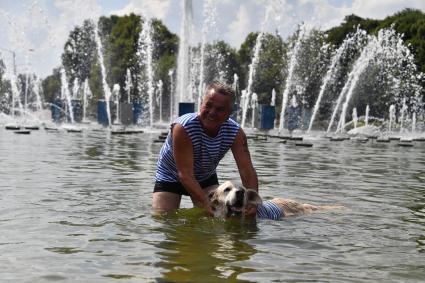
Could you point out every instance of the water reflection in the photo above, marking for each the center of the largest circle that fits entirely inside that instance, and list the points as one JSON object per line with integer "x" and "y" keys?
{"x": 200, "y": 249}
{"x": 76, "y": 207}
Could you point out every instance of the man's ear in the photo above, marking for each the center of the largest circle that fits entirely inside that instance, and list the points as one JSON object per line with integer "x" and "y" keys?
{"x": 253, "y": 197}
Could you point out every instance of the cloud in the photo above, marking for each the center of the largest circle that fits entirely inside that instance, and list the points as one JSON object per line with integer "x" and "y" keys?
{"x": 149, "y": 8}
{"x": 378, "y": 10}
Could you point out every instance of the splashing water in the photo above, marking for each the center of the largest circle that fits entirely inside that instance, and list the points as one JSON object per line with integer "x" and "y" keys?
{"x": 65, "y": 93}
{"x": 273, "y": 100}
{"x": 303, "y": 32}
{"x": 106, "y": 90}
{"x": 355, "y": 118}
{"x": 86, "y": 94}
{"x": 360, "y": 65}
{"x": 183, "y": 59}
{"x": 146, "y": 60}
{"x": 209, "y": 24}
{"x": 128, "y": 85}
{"x": 392, "y": 116}
{"x": 253, "y": 66}
{"x": 355, "y": 39}
{"x": 366, "y": 118}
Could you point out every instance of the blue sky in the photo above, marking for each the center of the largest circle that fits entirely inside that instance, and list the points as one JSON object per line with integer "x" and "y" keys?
{"x": 36, "y": 30}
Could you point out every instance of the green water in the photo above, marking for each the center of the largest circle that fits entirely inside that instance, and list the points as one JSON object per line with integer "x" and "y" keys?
{"x": 76, "y": 208}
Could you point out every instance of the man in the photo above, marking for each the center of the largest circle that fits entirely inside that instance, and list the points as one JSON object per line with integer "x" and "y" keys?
{"x": 195, "y": 145}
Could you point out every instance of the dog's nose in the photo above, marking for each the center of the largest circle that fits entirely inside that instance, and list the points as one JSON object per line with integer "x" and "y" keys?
{"x": 240, "y": 194}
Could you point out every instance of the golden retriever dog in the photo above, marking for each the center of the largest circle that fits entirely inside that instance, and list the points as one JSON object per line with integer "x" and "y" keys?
{"x": 230, "y": 199}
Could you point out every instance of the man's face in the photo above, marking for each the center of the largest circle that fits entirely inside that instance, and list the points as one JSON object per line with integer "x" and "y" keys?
{"x": 215, "y": 110}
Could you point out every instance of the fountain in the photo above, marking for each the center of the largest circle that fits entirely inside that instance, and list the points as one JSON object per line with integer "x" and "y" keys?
{"x": 355, "y": 118}
{"x": 342, "y": 76}
{"x": 159, "y": 86}
{"x": 254, "y": 107}
{"x": 273, "y": 99}
{"x": 145, "y": 52}
{"x": 366, "y": 117}
{"x": 106, "y": 90}
{"x": 65, "y": 94}
{"x": 349, "y": 42}
{"x": 209, "y": 14}
{"x": 392, "y": 117}
{"x": 183, "y": 87}
{"x": 252, "y": 66}
{"x": 302, "y": 33}
{"x": 116, "y": 94}
{"x": 86, "y": 95}
{"x": 384, "y": 51}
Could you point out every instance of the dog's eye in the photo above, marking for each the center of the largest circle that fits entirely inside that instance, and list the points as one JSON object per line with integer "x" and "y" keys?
{"x": 226, "y": 190}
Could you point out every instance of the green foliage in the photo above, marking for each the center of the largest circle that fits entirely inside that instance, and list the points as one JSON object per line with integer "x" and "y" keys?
{"x": 79, "y": 52}
{"x": 5, "y": 89}
{"x": 121, "y": 51}
{"x": 52, "y": 86}
{"x": 409, "y": 22}
{"x": 269, "y": 74}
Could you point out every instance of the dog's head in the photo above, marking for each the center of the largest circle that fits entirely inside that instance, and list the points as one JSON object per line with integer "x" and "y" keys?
{"x": 230, "y": 199}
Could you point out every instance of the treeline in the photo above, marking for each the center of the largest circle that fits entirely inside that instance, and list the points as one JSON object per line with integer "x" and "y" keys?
{"x": 119, "y": 36}
{"x": 409, "y": 22}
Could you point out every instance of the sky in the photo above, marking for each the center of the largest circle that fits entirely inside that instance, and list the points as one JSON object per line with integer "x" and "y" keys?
{"x": 36, "y": 30}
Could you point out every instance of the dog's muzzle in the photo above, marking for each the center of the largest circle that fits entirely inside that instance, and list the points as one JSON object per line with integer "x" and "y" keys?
{"x": 237, "y": 207}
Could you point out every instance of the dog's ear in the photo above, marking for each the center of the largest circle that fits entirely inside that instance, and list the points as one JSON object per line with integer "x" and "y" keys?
{"x": 213, "y": 198}
{"x": 253, "y": 197}
{"x": 212, "y": 195}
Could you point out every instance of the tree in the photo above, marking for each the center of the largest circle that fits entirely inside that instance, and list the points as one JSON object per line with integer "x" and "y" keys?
{"x": 79, "y": 52}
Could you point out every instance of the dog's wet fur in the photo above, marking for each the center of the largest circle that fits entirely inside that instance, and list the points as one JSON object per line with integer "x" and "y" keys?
{"x": 230, "y": 199}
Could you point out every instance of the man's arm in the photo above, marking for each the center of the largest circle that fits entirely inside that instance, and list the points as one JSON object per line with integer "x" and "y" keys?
{"x": 246, "y": 169}
{"x": 243, "y": 160}
{"x": 183, "y": 155}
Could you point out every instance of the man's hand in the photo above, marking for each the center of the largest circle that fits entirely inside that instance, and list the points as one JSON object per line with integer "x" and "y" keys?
{"x": 251, "y": 210}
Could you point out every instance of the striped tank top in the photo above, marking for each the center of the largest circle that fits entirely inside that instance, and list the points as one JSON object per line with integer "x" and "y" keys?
{"x": 269, "y": 210}
{"x": 207, "y": 151}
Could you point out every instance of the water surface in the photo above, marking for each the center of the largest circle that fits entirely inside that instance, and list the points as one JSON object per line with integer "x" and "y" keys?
{"x": 75, "y": 207}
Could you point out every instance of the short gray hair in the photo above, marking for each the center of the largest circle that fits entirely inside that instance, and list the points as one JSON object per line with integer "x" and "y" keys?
{"x": 221, "y": 88}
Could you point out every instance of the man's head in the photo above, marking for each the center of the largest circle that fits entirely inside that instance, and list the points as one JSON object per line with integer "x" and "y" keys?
{"x": 216, "y": 106}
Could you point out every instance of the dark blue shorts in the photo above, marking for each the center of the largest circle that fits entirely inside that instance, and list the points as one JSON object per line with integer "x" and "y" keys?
{"x": 178, "y": 188}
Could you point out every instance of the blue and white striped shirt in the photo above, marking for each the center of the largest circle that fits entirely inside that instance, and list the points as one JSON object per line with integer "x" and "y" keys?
{"x": 269, "y": 210}
{"x": 208, "y": 151}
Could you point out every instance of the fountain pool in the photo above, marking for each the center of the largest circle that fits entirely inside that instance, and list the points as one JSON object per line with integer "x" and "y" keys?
{"x": 76, "y": 208}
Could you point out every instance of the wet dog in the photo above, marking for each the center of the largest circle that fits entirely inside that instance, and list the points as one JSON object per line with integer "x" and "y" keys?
{"x": 230, "y": 199}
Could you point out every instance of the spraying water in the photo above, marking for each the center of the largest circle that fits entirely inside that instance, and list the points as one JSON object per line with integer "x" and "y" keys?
{"x": 106, "y": 90}
{"x": 289, "y": 80}
{"x": 366, "y": 118}
{"x": 254, "y": 106}
{"x": 65, "y": 93}
{"x": 171, "y": 75}
{"x": 86, "y": 94}
{"x": 273, "y": 100}
{"x": 128, "y": 85}
{"x": 116, "y": 91}
{"x": 146, "y": 53}
{"x": 360, "y": 65}
{"x": 183, "y": 61}
{"x": 356, "y": 39}
{"x": 355, "y": 118}
{"x": 209, "y": 15}
{"x": 160, "y": 87}
{"x": 403, "y": 114}
{"x": 253, "y": 66}
{"x": 392, "y": 116}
